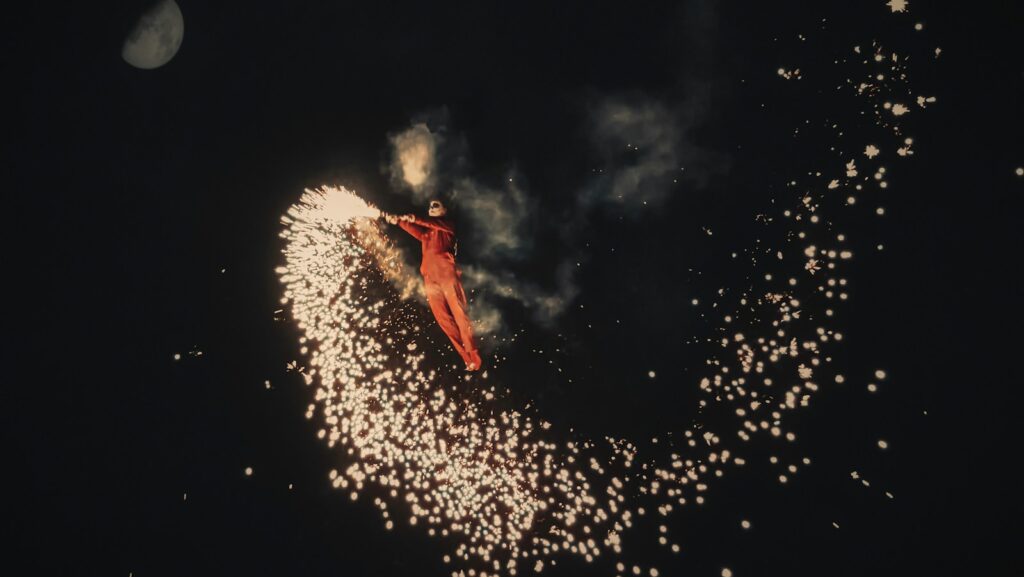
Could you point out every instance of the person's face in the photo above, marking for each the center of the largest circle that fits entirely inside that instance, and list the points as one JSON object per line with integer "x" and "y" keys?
{"x": 436, "y": 208}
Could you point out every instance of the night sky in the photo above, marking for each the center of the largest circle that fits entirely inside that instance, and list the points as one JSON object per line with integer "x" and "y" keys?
{"x": 129, "y": 192}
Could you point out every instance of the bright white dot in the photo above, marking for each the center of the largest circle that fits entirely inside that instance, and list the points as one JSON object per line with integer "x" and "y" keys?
{"x": 651, "y": 374}
{"x": 1020, "y": 171}
{"x": 882, "y": 444}
{"x": 177, "y": 356}
{"x": 248, "y": 471}
{"x": 745, "y": 524}
{"x": 726, "y": 572}
{"x": 880, "y": 374}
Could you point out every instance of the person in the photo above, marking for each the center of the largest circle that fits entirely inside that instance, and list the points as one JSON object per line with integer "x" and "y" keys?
{"x": 445, "y": 294}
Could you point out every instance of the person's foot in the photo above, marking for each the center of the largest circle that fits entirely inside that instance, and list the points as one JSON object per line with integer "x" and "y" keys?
{"x": 473, "y": 361}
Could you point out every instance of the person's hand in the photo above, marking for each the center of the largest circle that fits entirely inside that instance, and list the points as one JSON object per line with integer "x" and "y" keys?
{"x": 391, "y": 218}
{"x": 408, "y": 217}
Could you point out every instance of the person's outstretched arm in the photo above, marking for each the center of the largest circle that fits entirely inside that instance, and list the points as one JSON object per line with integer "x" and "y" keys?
{"x": 412, "y": 228}
{"x": 441, "y": 224}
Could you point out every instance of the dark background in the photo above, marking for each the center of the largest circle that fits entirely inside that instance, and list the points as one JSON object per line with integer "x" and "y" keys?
{"x": 128, "y": 191}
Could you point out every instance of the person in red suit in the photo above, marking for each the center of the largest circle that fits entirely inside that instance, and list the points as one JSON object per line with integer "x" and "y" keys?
{"x": 445, "y": 295}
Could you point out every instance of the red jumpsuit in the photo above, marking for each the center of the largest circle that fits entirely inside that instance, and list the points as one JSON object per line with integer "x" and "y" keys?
{"x": 445, "y": 295}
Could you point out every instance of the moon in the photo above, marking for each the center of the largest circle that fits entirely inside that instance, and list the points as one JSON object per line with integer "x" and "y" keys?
{"x": 156, "y": 36}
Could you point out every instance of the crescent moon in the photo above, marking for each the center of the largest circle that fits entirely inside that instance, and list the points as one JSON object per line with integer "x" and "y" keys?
{"x": 156, "y": 36}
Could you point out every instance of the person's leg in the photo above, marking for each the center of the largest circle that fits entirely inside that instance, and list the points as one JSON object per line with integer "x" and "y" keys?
{"x": 455, "y": 297}
{"x": 439, "y": 306}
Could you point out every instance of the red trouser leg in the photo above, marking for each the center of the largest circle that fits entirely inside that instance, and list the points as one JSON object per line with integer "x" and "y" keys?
{"x": 455, "y": 297}
{"x": 438, "y": 302}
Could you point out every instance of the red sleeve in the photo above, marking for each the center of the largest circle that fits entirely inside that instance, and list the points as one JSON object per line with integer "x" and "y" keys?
{"x": 436, "y": 223}
{"x": 416, "y": 231}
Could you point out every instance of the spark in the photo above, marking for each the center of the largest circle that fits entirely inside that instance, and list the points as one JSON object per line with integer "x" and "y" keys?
{"x": 898, "y": 5}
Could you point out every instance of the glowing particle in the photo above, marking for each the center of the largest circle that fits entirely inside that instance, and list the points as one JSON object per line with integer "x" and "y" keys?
{"x": 248, "y": 471}
{"x": 898, "y": 5}
{"x": 882, "y": 444}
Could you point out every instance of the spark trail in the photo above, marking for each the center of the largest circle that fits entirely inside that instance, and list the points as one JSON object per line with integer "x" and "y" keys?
{"x": 499, "y": 486}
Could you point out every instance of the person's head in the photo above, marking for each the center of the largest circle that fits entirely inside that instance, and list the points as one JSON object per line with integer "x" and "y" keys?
{"x": 436, "y": 208}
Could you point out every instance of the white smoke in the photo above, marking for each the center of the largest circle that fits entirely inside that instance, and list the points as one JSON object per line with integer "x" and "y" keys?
{"x": 490, "y": 287}
{"x": 414, "y": 160}
{"x": 646, "y": 129}
{"x": 647, "y": 148}
{"x": 497, "y": 215}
